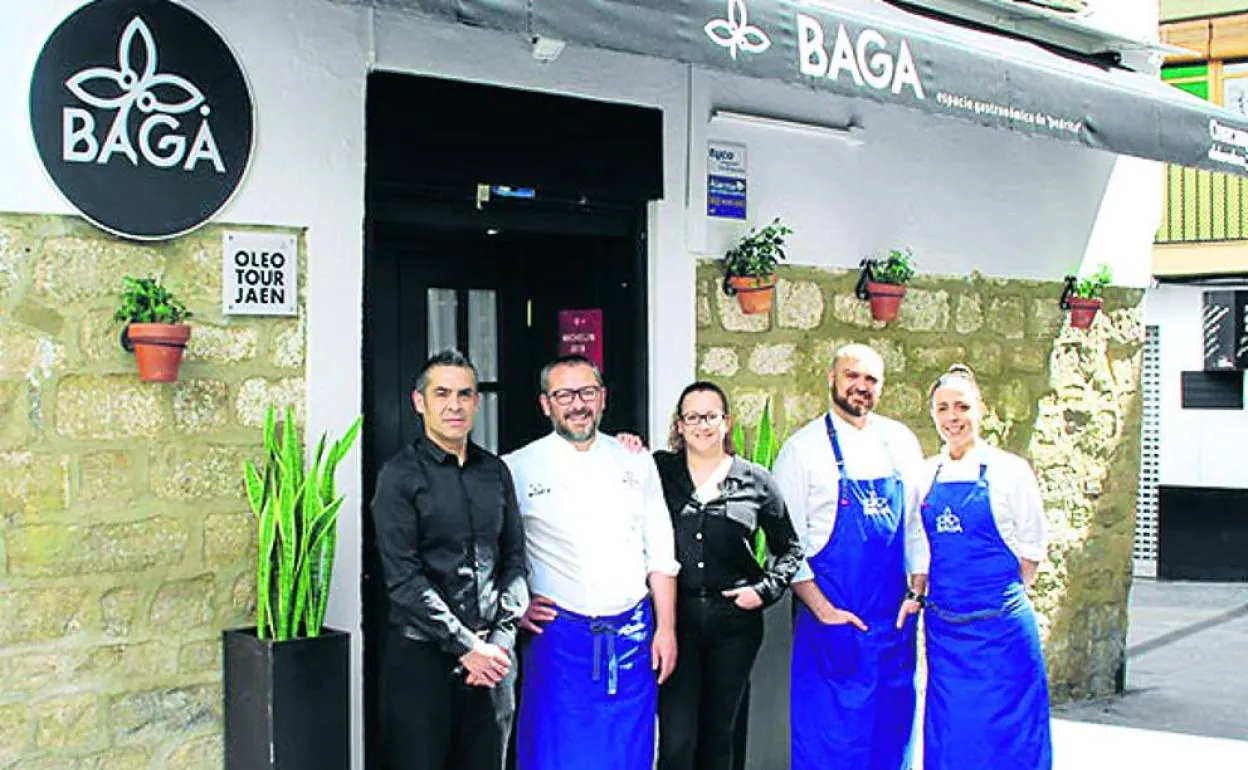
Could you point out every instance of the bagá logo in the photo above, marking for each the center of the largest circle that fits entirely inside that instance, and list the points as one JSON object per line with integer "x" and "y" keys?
{"x": 141, "y": 116}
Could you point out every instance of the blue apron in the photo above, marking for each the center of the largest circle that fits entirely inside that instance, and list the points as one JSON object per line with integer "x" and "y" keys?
{"x": 852, "y": 697}
{"x": 987, "y": 697}
{"x": 589, "y": 697}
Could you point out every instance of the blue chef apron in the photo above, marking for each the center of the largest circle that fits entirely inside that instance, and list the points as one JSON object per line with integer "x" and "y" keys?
{"x": 987, "y": 697}
{"x": 588, "y": 698}
{"x": 852, "y": 695}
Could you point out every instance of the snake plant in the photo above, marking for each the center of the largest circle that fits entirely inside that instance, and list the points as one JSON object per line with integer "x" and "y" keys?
{"x": 766, "y": 447}
{"x": 296, "y": 508}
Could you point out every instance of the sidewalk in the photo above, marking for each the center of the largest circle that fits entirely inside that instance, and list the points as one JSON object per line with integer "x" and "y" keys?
{"x": 1088, "y": 746}
{"x": 1186, "y": 704}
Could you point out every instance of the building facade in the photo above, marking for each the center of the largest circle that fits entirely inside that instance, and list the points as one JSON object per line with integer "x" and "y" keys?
{"x": 456, "y": 175}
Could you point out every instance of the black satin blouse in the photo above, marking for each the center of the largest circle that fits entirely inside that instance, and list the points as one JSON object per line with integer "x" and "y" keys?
{"x": 715, "y": 540}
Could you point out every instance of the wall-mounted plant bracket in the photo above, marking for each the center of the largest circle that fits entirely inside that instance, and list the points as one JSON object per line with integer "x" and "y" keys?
{"x": 1068, "y": 291}
{"x": 867, "y": 275}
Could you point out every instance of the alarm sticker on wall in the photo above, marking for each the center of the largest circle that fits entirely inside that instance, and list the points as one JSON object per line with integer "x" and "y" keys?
{"x": 142, "y": 117}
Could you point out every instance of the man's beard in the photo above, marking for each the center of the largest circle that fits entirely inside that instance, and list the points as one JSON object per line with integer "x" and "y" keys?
{"x": 849, "y": 407}
{"x": 563, "y": 430}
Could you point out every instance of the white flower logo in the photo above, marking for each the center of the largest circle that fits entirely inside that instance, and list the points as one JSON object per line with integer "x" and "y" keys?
{"x": 736, "y": 33}
{"x": 135, "y": 82}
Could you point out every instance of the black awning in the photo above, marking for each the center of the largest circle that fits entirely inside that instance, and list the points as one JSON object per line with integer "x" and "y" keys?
{"x": 867, "y": 48}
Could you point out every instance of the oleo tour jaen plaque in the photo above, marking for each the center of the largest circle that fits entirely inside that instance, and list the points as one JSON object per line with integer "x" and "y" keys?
{"x": 142, "y": 117}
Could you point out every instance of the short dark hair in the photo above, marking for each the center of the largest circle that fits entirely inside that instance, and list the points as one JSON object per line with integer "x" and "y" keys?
{"x": 675, "y": 441}
{"x": 569, "y": 360}
{"x": 448, "y": 357}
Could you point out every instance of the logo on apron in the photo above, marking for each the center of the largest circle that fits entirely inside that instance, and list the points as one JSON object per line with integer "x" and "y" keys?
{"x": 874, "y": 505}
{"x": 948, "y": 523}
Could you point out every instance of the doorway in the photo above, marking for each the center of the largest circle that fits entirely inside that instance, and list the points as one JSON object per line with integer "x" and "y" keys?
{"x": 482, "y": 227}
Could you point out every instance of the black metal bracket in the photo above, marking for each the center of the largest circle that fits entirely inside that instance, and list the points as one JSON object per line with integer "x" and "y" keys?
{"x": 1068, "y": 291}
{"x": 868, "y": 274}
{"x": 126, "y": 344}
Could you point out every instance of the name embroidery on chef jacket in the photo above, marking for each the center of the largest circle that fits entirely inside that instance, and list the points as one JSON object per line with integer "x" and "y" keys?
{"x": 948, "y": 523}
{"x": 630, "y": 480}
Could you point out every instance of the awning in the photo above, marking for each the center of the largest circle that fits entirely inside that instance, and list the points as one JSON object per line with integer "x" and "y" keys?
{"x": 870, "y": 49}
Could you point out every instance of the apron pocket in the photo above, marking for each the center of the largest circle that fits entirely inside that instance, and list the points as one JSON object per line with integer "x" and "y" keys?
{"x": 839, "y": 653}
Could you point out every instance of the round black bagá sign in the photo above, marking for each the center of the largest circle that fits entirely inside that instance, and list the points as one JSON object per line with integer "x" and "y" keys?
{"x": 142, "y": 117}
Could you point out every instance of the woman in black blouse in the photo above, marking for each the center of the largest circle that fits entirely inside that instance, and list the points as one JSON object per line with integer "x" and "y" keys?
{"x": 717, "y": 502}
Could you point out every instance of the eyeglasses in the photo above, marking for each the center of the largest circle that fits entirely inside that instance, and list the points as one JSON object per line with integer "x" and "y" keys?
{"x": 568, "y": 395}
{"x": 710, "y": 418}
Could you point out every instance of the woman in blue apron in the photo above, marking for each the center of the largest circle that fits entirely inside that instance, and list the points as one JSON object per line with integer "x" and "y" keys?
{"x": 853, "y": 695}
{"x": 987, "y": 701}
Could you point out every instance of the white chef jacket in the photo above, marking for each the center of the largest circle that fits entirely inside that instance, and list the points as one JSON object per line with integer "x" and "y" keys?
{"x": 806, "y": 472}
{"x": 1012, "y": 489}
{"x": 595, "y": 523}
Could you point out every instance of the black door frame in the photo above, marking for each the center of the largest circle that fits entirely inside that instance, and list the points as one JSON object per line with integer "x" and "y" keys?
{"x": 380, "y": 376}
{"x": 424, "y": 170}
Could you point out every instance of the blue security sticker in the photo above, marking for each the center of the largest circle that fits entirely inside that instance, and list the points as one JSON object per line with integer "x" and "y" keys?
{"x": 725, "y": 196}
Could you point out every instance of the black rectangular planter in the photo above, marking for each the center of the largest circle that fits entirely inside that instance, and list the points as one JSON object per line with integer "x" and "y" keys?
{"x": 287, "y": 705}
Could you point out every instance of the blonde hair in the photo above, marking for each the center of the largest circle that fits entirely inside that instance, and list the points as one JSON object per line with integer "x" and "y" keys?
{"x": 956, "y": 373}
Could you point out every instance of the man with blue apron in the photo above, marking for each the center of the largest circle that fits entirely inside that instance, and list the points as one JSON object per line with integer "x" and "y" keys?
{"x": 602, "y": 567}
{"x": 987, "y": 701}
{"x": 844, "y": 478}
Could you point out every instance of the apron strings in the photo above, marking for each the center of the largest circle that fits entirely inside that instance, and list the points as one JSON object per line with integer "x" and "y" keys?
{"x": 599, "y": 631}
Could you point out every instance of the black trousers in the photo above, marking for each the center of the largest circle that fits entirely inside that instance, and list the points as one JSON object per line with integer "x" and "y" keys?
{"x": 432, "y": 720}
{"x": 716, "y": 644}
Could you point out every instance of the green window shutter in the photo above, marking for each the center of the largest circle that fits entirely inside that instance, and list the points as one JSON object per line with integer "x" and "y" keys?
{"x": 1185, "y": 71}
{"x": 1195, "y": 75}
{"x": 1200, "y": 89}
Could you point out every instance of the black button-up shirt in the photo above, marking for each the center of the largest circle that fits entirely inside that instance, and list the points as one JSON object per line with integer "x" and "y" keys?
{"x": 715, "y": 540}
{"x": 451, "y": 546}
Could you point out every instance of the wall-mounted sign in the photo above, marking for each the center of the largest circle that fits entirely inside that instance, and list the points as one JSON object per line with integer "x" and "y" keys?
{"x": 260, "y": 274}
{"x": 142, "y": 117}
{"x": 725, "y": 180}
{"x": 580, "y": 334}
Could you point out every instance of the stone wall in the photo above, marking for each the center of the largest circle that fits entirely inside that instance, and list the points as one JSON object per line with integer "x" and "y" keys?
{"x": 124, "y": 533}
{"x": 1065, "y": 398}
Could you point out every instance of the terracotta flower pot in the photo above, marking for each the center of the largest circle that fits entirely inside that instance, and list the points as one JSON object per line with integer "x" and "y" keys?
{"x": 885, "y": 299}
{"x": 1083, "y": 311}
{"x": 754, "y": 294}
{"x": 158, "y": 349}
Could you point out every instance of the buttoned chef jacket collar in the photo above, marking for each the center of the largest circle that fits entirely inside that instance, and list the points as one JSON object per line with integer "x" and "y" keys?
{"x": 975, "y": 454}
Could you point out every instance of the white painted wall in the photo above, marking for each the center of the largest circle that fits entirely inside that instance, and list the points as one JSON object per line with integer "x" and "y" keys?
{"x": 1199, "y": 447}
{"x": 964, "y": 198}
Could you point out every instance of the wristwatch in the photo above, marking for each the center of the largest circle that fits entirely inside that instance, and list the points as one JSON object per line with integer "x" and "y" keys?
{"x": 913, "y": 596}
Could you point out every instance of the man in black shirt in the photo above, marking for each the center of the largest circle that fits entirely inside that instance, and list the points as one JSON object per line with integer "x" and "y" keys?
{"x": 452, "y": 552}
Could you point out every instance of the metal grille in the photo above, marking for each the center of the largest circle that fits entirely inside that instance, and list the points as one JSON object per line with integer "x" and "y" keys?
{"x": 1145, "y": 550}
{"x": 1203, "y": 206}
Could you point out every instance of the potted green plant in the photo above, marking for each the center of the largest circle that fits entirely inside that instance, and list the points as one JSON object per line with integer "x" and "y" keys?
{"x": 750, "y": 266}
{"x": 286, "y": 680}
{"x": 154, "y": 329}
{"x": 1086, "y": 301}
{"x": 885, "y": 283}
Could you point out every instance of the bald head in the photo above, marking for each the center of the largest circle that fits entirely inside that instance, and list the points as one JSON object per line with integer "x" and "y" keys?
{"x": 864, "y": 354}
